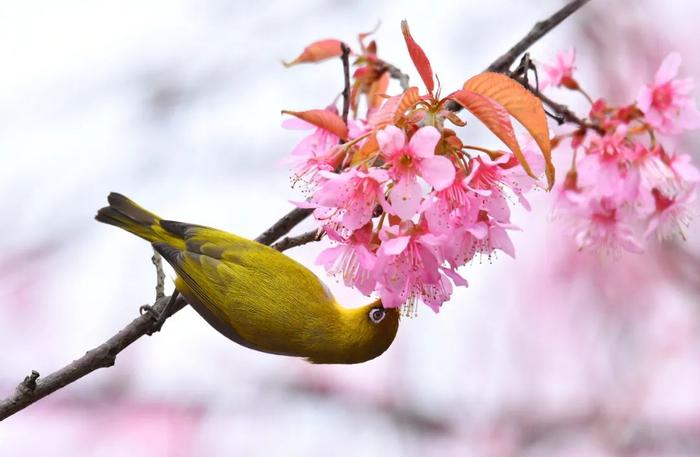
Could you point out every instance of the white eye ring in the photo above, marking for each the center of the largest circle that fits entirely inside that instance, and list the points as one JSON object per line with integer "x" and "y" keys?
{"x": 376, "y": 315}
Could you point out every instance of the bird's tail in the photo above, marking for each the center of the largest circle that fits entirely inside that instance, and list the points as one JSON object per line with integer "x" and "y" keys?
{"x": 129, "y": 216}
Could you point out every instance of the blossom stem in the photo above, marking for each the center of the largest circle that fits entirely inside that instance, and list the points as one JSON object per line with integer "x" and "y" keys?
{"x": 477, "y": 148}
{"x": 585, "y": 94}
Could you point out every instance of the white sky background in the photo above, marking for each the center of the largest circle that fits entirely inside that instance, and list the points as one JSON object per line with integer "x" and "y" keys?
{"x": 176, "y": 104}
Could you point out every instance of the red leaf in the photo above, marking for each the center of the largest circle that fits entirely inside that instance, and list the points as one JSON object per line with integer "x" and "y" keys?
{"x": 409, "y": 99}
{"x": 327, "y": 120}
{"x": 394, "y": 108}
{"x": 522, "y": 105}
{"x": 420, "y": 60}
{"x": 495, "y": 117}
{"x": 377, "y": 91}
{"x": 368, "y": 149}
{"x": 317, "y": 52}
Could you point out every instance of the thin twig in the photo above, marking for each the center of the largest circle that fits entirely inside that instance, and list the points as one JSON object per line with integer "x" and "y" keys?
{"x": 299, "y": 240}
{"x": 284, "y": 225}
{"x": 160, "y": 275}
{"x": 503, "y": 63}
{"x": 34, "y": 387}
{"x": 563, "y": 111}
{"x": 397, "y": 74}
{"x": 345, "y": 57}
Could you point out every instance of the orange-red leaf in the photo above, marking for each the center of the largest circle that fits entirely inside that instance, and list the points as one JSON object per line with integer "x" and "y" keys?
{"x": 420, "y": 60}
{"x": 369, "y": 148}
{"x": 327, "y": 120}
{"x": 495, "y": 117}
{"x": 409, "y": 99}
{"x": 394, "y": 108}
{"x": 317, "y": 52}
{"x": 377, "y": 90}
{"x": 522, "y": 105}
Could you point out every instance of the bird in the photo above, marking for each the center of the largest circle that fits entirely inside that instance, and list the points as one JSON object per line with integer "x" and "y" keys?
{"x": 255, "y": 295}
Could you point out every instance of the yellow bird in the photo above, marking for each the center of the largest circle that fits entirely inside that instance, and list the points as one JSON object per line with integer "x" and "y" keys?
{"x": 255, "y": 295}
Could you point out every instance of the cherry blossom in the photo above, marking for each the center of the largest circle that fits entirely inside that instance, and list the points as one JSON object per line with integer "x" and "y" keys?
{"x": 666, "y": 103}
{"x": 561, "y": 72}
{"x": 406, "y": 204}
{"x": 408, "y": 161}
{"x": 349, "y": 198}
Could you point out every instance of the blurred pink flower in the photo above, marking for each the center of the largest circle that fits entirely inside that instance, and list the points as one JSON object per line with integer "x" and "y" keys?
{"x": 604, "y": 230}
{"x": 671, "y": 215}
{"x": 666, "y": 103}
{"x": 561, "y": 72}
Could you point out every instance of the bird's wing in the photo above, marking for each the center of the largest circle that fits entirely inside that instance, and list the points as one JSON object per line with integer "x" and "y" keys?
{"x": 249, "y": 286}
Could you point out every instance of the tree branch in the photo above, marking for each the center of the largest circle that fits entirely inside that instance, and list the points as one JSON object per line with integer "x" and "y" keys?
{"x": 284, "y": 225}
{"x": 503, "y": 63}
{"x": 345, "y": 57}
{"x": 562, "y": 111}
{"x": 34, "y": 388}
{"x": 299, "y": 240}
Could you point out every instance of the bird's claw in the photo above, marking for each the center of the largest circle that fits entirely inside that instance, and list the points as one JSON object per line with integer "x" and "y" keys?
{"x": 157, "y": 318}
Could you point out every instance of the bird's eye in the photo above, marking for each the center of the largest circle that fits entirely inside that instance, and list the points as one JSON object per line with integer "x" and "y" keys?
{"x": 376, "y": 315}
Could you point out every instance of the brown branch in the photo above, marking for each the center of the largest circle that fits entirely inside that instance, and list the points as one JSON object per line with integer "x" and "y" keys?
{"x": 299, "y": 240}
{"x": 34, "y": 387}
{"x": 345, "y": 57}
{"x": 503, "y": 63}
{"x": 563, "y": 112}
{"x": 284, "y": 225}
{"x": 160, "y": 275}
{"x": 397, "y": 74}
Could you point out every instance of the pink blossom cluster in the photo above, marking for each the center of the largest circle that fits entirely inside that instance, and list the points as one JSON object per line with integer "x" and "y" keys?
{"x": 624, "y": 185}
{"x": 405, "y": 218}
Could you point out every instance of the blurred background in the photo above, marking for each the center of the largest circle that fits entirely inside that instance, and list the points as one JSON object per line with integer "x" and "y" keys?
{"x": 176, "y": 104}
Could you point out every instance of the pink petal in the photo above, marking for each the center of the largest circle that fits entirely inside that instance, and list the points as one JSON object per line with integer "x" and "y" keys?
{"x": 405, "y": 198}
{"x": 395, "y": 246}
{"x": 456, "y": 277}
{"x": 423, "y": 142}
{"x": 295, "y": 123}
{"x": 499, "y": 239}
{"x": 479, "y": 230}
{"x": 668, "y": 69}
{"x": 682, "y": 165}
{"x": 328, "y": 256}
{"x": 390, "y": 299}
{"x": 497, "y": 207}
{"x": 366, "y": 258}
{"x": 689, "y": 118}
{"x": 305, "y": 205}
{"x": 438, "y": 171}
{"x": 644, "y": 98}
{"x": 391, "y": 140}
{"x": 332, "y": 193}
{"x": 378, "y": 174}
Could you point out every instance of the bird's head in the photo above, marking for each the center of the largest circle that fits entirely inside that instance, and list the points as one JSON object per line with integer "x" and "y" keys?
{"x": 364, "y": 333}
